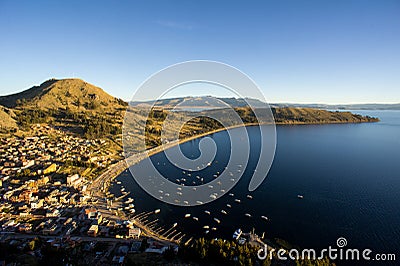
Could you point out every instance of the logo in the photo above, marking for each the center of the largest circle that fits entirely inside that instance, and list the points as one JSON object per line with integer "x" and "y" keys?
{"x": 341, "y": 242}
{"x": 332, "y": 253}
{"x": 142, "y": 122}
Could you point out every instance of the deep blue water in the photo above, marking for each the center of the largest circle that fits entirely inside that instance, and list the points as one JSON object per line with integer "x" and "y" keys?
{"x": 349, "y": 175}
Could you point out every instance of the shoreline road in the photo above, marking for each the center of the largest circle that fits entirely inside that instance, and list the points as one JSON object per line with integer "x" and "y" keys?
{"x": 99, "y": 187}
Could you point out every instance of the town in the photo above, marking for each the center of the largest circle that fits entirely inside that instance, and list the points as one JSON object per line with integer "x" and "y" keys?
{"x": 47, "y": 201}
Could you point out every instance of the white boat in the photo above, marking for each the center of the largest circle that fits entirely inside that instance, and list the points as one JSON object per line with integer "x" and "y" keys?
{"x": 157, "y": 211}
{"x": 237, "y": 233}
{"x": 231, "y": 194}
{"x": 199, "y": 202}
{"x": 224, "y": 212}
{"x": 195, "y": 218}
{"x": 214, "y": 228}
{"x": 131, "y": 206}
{"x": 187, "y": 215}
{"x": 237, "y": 200}
{"x": 218, "y": 221}
{"x": 207, "y": 231}
{"x": 249, "y": 196}
{"x": 264, "y": 217}
{"x": 300, "y": 196}
{"x": 248, "y": 215}
{"x": 207, "y": 212}
{"x": 206, "y": 227}
{"x": 130, "y": 200}
{"x": 228, "y": 205}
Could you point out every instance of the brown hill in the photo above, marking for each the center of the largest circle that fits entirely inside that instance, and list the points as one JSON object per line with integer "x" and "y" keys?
{"x": 72, "y": 94}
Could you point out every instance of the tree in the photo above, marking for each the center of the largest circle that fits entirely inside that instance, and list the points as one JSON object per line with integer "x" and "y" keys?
{"x": 144, "y": 245}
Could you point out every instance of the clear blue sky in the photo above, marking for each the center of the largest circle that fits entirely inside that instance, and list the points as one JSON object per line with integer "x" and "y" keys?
{"x": 297, "y": 51}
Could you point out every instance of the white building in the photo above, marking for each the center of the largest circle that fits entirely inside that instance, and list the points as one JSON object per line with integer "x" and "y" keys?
{"x": 74, "y": 180}
{"x": 134, "y": 232}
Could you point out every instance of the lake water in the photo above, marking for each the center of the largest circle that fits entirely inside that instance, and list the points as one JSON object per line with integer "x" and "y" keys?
{"x": 349, "y": 175}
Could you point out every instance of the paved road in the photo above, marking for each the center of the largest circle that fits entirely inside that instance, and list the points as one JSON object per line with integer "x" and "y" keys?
{"x": 100, "y": 184}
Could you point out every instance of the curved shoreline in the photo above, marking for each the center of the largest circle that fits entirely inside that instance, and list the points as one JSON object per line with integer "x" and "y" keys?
{"x": 136, "y": 158}
{"x": 152, "y": 151}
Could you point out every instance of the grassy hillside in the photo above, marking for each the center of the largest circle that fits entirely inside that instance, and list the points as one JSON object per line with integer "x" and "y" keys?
{"x": 70, "y": 104}
{"x": 7, "y": 118}
{"x": 72, "y": 94}
{"x": 292, "y": 115}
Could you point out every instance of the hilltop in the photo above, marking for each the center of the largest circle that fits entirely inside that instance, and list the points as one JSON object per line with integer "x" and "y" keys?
{"x": 72, "y": 94}
{"x": 72, "y": 105}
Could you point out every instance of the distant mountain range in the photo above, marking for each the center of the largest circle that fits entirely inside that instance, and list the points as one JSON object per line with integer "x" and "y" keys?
{"x": 210, "y": 101}
{"x": 361, "y": 106}
{"x": 200, "y": 102}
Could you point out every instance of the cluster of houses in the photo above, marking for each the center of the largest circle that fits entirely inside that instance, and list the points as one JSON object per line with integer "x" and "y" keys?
{"x": 47, "y": 151}
{"x": 39, "y": 199}
{"x": 34, "y": 172}
{"x": 32, "y": 187}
